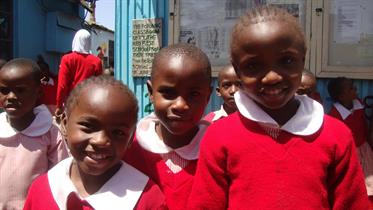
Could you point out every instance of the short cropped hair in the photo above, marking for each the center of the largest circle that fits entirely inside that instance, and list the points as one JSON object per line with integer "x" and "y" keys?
{"x": 25, "y": 63}
{"x": 101, "y": 81}
{"x": 265, "y": 14}
{"x": 182, "y": 50}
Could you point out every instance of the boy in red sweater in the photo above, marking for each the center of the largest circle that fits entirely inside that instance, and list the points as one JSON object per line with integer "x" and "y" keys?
{"x": 308, "y": 86}
{"x": 228, "y": 84}
{"x": 98, "y": 125}
{"x": 350, "y": 110}
{"x": 281, "y": 151}
{"x": 166, "y": 145}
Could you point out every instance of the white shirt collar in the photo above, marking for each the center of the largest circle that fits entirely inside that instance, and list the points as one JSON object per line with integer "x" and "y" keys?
{"x": 150, "y": 141}
{"x": 306, "y": 121}
{"x": 39, "y": 126}
{"x": 122, "y": 191}
{"x": 344, "y": 111}
{"x": 219, "y": 114}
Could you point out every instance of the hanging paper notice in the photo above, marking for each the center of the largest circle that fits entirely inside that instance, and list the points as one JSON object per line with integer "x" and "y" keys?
{"x": 146, "y": 42}
{"x": 347, "y": 21}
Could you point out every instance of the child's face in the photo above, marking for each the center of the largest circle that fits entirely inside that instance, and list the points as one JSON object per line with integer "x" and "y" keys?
{"x": 269, "y": 60}
{"x": 228, "y": 85}
{"x": 307, "y": 86}
{"x": 18, "y": 91}
{"x": 349, "y": 92}
{"x": 99, "y": 129}
{"x": 179, "y": 91}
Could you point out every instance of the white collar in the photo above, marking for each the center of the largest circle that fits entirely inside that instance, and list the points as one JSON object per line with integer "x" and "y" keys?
{"x": 122, "y": 191}
{"x": 49, "y": 82}
{"x": 306, "y": 121}
{"x": 356, "y": 104}
{"x": 39, "y": 126}
{"x": 219, "y": 113}
{"x": 150, "y": 141}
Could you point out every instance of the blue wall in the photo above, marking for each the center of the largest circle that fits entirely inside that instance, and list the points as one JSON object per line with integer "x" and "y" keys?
{"x": 40, "y": 24}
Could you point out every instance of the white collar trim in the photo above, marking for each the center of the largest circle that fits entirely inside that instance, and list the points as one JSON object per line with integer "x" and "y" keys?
{"x": 150, "y": 141}
{"x": 306, "y": 121}
{"x": 39, "y": 126}
{"x": 122, "y": 191}
{"x": 356, "y": 105}
{"x": 219, "y": 113}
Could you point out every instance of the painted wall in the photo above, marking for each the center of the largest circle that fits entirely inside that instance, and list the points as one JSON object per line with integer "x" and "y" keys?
{"x": 100, "y": 38}
{"x": 45, "y": 27}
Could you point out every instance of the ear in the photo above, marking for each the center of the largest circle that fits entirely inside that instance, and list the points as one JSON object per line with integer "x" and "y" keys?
{"x": 63, "y": 124}
{"x": 209, "y": 94}
{"x": 130, "y": 141}
{"x": 150, "y": 90}
{"x": 217, "y": 90}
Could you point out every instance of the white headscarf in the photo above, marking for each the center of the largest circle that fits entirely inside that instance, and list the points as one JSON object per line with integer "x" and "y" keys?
{"x": 82, "y": 42}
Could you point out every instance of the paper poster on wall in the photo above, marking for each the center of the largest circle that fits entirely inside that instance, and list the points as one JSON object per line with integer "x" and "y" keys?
{"x": 146, "y": 42}
{"x": 347, "y": 21}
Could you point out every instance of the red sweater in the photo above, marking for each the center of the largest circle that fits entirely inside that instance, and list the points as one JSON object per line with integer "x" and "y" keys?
{"x": 175, "y": 187}
{"x": 40, "y": 197}
{"x": 356, "y": 122}
{"x": 74, "y": 68}
{"x": 246, "y": 169}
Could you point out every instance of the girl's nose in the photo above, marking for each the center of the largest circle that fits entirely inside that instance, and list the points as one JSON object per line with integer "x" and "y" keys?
{"x": 180, "y": 104}
{"x": 101, "y": 139}
{"x": 233, "y": 89}
{"x": 271, "y": 77}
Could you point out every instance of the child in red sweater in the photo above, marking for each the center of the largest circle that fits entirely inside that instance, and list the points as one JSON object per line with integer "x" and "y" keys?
{"x": 350, "y": 110}
{"x": 167, "y": 142}
{"x": 279, "y": 151}
{"x": 98, "y": 124}
{"x": 228, "y": 84}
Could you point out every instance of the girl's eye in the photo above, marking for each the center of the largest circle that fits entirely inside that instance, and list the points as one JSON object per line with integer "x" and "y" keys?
{"x": 287, "y": 60}
{"x": 118, "y": 132}
{"x": 195, "y": 93}
{"x": 87, "y": 127}
{"x": 4, "y": 90}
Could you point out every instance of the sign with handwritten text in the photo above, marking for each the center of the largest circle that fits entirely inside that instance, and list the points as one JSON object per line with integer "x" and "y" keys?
{"x": 146, "y": 42}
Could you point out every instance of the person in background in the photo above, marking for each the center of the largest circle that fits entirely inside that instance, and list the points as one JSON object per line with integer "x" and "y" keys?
{"x": 228, "y": 84}
{"x": 75, "y": 67}
{"x": 308, "y": 86}
{"x": 166, "y": 145}
{"x": 29, "y": 143}
{"x": 349, "y": 109}
{"x": 279, "y": 151}
{"x": 48, "y": 85}
{"x": 98, "y": 124}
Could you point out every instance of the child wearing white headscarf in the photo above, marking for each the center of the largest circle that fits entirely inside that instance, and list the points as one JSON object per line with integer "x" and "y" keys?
{"x": 76, "y": 66}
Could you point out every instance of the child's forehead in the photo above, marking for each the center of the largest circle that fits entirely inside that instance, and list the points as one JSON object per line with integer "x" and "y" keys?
{"x": 15, "y": 72}
{"x": 267, "y": 32}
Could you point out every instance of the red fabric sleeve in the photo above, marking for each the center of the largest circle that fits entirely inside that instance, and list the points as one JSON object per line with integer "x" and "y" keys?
{"x": 64, "y": 82}
{"x": 346, "y": 179}
{"x": 210, "y": 187}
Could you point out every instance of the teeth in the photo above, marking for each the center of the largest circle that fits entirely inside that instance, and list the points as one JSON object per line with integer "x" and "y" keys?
{"x": 272, "y": 92}
{"x": 98, "y": 156}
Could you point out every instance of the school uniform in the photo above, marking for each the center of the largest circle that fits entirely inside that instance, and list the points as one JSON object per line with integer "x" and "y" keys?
{"x": 172, "y": 169}
{"x": 248, "y": 161}
{"x": 216, "y": 115}
{"x": 74, "y": 68}
{"x": 355, "y": 120}
{"x": 127, "y": 189}
{"x": 26, "y": 154}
